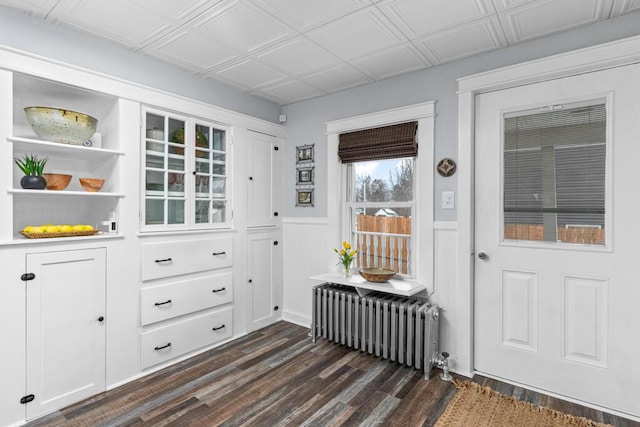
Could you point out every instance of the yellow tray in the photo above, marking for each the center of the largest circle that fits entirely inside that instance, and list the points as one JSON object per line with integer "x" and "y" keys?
{"x": 60, "y": 234}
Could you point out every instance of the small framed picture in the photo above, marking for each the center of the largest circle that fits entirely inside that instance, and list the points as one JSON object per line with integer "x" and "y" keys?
{"x": 304, "y": 153}
{"x": 305, "y": 176}
{"x": 304, "y": 198}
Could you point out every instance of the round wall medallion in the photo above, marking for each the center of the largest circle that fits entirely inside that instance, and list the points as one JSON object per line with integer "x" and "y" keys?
{"x": 446, "y": 167}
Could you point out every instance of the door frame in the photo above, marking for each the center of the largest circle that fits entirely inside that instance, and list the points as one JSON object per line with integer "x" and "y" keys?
{"x": 595, "y": 58}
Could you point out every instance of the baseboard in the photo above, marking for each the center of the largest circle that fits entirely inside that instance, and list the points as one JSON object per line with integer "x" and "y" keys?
{"x": 296, "y": 318}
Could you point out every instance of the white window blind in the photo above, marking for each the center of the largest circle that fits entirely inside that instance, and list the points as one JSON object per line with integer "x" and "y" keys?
{"x": 554, "y": 174}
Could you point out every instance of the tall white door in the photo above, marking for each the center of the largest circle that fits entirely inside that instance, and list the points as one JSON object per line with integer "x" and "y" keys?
{"x": 557, "y": 281}
{"x": 65, "y": 328}
{"x": 265, "y": 180}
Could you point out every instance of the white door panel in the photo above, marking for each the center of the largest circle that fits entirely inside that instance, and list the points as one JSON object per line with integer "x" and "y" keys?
{"x": 561, "y": 316}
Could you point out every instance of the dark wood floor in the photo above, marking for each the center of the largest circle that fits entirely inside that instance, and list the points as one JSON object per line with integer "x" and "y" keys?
{"x": 278, "y": 377}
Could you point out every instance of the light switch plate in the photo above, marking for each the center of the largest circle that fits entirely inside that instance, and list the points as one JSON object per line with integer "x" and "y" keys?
{"x": 448, "y": 200}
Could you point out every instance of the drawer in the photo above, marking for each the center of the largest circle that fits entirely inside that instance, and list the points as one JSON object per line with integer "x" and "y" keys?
{"x": 167, "y": 342}
{"x": 168, "y": 259}
{"x": 186, "y": 296}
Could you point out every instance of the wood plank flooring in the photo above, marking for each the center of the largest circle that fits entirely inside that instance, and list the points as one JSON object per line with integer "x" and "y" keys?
{"x": 278, "y": 377}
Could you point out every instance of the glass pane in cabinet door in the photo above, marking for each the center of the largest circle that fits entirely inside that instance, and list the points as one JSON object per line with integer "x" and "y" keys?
{"x": 203, "y": 166}
{"x": 202, "y": 136}
{"x": 155, "y": 147}
{"x": 219, "y": 140}
{"x": 155, "y": 183}
{"x": 155, "y": 160}
{"x": 202, "y": 154}
{"x": 176, "y": 184}
{"x": 176, "y": 211}
{"x": 176, "y": 157}
{"x": 219, "y": 165}
{"x": 218, "y": 186}
{"x": 176, "y": 131}
{"x": 155, "y": 127}
{"x": 154, "y": 211}
{"x": 218, "y": 211}
{"x": 202, "y": 186}
{"x": 202, "y": 211}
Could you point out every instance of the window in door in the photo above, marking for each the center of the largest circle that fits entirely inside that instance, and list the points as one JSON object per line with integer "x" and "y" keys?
{"x": 555, "y": 174}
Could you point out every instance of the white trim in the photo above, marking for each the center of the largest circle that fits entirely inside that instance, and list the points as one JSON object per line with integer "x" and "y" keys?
{"x": 594, "y": 58}
{"x": 600, "y": 57}
{"x": 296, "y": 318}
{"x": 445, "y": 225}
{"x": 27, "y": 63}
{"x": 423, "y": 233}
{"x": 306, "y": 220}
{"x": 384, "y": 118}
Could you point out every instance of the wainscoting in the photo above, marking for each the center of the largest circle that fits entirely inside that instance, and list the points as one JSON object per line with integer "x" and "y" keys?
{"x": 277, "y": 377}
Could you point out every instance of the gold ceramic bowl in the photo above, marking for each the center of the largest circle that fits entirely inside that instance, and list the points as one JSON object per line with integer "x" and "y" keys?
{"x": 57, "y": 181}
{"x": 65, "y": 126}
{"x": 377, "y": 275}
{"x": 91, "y": 184}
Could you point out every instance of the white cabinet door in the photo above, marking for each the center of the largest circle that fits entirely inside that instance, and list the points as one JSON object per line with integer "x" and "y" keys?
{"x": 265, "y": 180}
{"x": 265, "y": 279}
{"x": 65, "y": 328}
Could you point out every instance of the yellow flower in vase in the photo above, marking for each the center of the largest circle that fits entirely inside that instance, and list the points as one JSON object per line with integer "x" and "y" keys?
{"x": 346, "y": 256}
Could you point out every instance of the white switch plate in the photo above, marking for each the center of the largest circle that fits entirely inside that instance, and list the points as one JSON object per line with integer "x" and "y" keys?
{"x": 448, "y": 200}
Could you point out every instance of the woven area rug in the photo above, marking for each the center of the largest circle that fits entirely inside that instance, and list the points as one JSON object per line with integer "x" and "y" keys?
{"x": 475, "y": 405}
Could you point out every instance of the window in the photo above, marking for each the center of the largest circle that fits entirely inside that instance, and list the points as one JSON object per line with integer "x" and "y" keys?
{"x": 380, "y": 204}
{"x": 554, "y": 174}
{"x": 380, "y": 194}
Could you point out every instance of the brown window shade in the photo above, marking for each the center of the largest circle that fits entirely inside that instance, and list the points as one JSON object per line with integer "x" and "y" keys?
{"x": 387, "y": 142}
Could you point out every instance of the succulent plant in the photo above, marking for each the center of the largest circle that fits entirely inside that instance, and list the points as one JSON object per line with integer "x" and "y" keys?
{"x": 31, "y": 165}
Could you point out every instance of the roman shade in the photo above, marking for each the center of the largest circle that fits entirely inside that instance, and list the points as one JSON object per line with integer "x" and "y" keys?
{"x": 388, "y": 142}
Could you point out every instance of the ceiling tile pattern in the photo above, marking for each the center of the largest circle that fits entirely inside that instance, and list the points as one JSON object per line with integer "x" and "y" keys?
{"x": 290, "y": 50}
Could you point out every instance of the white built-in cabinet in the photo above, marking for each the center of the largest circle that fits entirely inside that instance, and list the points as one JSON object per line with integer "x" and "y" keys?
{"x": 264, "y": 235}
{"x": 265, "y": 180}
{"x": 65, "y": 343}
{"x": 101, "y": 159}
{"x": 264, "y": 252}
{"x": 185, "y": 298}
{"x": 185, "y": 173}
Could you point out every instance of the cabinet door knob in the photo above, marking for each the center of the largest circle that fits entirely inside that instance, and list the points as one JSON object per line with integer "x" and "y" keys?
{"x": 101, "y": 319}
{"x": 275, "y": 214}
{"x": 250, "y": 178}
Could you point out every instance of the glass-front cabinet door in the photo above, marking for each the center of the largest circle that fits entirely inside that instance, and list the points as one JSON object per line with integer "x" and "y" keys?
{"x": 185, "y": 173}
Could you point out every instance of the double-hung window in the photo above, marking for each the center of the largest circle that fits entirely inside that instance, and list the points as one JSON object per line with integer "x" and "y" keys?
{"x": 380, "y": 195}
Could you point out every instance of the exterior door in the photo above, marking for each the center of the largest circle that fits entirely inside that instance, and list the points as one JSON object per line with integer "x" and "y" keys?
{"x": 65, "y": 328}
{"x": 556, "y": 239}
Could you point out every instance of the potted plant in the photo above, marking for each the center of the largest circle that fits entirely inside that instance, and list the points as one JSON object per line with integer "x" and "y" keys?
{"x": 32, "y": 168}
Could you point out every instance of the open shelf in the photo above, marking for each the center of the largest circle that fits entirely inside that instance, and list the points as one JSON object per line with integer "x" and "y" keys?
{"x": 48, "y": 148}
{"x": 54, "y": 193}
{"x": 398, "y": 285}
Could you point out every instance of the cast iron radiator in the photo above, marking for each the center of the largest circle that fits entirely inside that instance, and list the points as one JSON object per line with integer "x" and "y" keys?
{"x": 401, "y": 329}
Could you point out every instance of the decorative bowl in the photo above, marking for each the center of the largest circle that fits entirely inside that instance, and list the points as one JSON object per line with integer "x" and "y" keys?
{"x": 64, "y": 126}
{"x": 57, "y": 181}
{"x": 91, "y": 184}
{"x": 377, "y": 275}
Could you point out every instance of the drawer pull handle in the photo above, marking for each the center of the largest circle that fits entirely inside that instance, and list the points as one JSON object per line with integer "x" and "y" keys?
{"x": 164, "y": 260}
{"x": 218, "y": 290}
{"x": 219, "y": 327}
{"x": 163, "y": 303}
{"x": 219, "y": 253}
{"x": 167, "y": 345}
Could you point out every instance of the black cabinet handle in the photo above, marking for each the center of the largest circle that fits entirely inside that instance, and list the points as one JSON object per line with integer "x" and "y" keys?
{"x": 164, "y": 260}
{"x": 101, "y": 319}
{"x": 250, "y": 178}
{"x": 167, "y": 345}
{"x": 218, "y": 328}
{"x": 163, "y": 303}
{"x": 219, "y": 253}
{"x": 275, "y": 214}
{"x": 218, "y": 290}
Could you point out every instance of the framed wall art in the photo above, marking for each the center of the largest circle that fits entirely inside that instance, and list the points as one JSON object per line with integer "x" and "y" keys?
{"x": 304, "y": 197}
{"x": 304, "y": 176}
{"x": 304, "y": 154}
